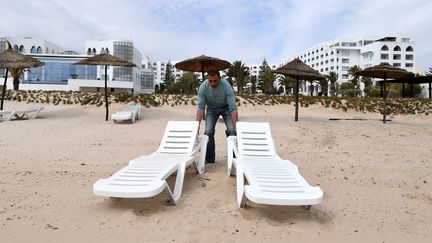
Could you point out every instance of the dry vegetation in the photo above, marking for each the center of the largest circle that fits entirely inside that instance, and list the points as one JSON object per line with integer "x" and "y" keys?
{"x": 394, "y": 106}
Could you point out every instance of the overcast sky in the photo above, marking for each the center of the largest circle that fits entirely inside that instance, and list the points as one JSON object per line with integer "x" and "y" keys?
{"x": 246, "y": 30}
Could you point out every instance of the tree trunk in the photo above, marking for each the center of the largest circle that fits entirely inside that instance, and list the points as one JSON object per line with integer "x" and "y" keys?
{"x": 16, "y": 84}
{"x": 4, "y": 90}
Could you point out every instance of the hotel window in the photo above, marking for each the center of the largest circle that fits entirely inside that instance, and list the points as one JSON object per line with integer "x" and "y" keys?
{"x": 321, "y": 70}
{"x": 332, "y": 53}
{"x": 312, "y": 65}
{"x": 409, "y": 57}
{"x": 344, "y": 76}
{"x": 326, "y": 54}
{"x": 345, "y": 68}
{"x": 326, "y": 61}
{"x": 349, "y": 44}
{"x": 384, "y": 48}
{"x": 345, "y": 60}
{"x": 313, "y": 58}
{"x": 396, "y": 48}
{"x": 409, "y": 49}
{"x": 322, "y": 48}
{"x": 317, "y": 64}
{"x": 405, "y": 39}
{"x": 345, "y": 53}
{"x": 396, "y": 64}
{"x": 396, "y": 57}
{"x": 322, "y": 55}
{"x": 384, "y": 56}
{"x": 326, "y": 68}
{"x": 322, "y": 63}
{"x": 409, "y": 65}
{"x": 332, "y": 60}
{"x": 331, "y": 68}
{"x": 317, "y": 57}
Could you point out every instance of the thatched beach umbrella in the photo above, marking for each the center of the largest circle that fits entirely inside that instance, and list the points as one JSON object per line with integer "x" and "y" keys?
{"x": 202, "y": 64}
{"x": 106, "y": 60}
{"x": 300, "y": 71}
{"x": 11, "y": 59}
{"x": 384, "y": 71}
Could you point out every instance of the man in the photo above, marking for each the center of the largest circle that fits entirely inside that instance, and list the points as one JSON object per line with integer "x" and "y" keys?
{"x": 218, "y": 95}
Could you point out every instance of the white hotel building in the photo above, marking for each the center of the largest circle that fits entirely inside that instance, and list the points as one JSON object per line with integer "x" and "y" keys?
{"x": 339, "y": 56}
{"x": 60, "y": 73}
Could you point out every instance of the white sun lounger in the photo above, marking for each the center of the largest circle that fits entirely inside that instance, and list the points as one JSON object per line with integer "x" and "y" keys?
{"x": 130, "y": 112}
{"x": 28, "y": 113}
{"x": 21, "y": 114}
{"x": 271, "y": 180}
{"x": 6, "y": 115}
{"x": 146, "y": 176}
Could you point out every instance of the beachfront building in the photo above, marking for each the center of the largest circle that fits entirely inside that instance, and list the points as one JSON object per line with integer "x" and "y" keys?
{"x": 119, "y": 78}
{"x": 60, "y": 72}
{"x": 159, "y": 70}
{"x": 339, "y": 56}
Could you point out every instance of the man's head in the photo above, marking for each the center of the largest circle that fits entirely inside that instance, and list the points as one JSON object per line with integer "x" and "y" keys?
{"x": 213, "y": 77}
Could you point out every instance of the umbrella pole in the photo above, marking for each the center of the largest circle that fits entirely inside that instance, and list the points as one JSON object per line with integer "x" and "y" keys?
{"x": 385, "y": 99}
{"x": 106, "y": 94}
{"x": 296, "y": 99}
{"x": 202, "y": 71}
{"x": 4, "y": 89}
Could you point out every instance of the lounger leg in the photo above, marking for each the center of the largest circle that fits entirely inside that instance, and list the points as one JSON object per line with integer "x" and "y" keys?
{"x": 200, "y": 163}
{"x": 241, "y": 200}
{"x": 178, "y": 187}
{"x": 231, "y": 144}
{"x": 170, "y": 195}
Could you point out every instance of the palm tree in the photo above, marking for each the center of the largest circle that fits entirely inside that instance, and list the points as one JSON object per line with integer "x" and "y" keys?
{"x": 287, "y": 82}
{"x": 238, "y": 71}
{"x": 368, "y": 85}
{"x": 430, "y": 72}
{"x": 332, "y": 77}
{"x": 324, "y": 86}
{"x": 169, "y": 77}
{"x": 16, "y": 73}
{"x": 189, "y": 82}
{"x": 253, "y": 82}
{"x": 355, "y": 78}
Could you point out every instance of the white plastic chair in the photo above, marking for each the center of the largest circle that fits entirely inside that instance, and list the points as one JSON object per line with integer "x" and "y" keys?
{"x": 129, "y": 112}
{"x": 270, "y": 179}
{"x": 146, "y": 176}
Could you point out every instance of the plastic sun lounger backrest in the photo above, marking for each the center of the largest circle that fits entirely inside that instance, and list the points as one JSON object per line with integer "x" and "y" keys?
{"x": 255, "y": 139}
{"x": 179, "y": 137}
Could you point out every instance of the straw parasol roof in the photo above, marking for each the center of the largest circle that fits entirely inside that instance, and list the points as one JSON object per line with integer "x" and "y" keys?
{"x": 385, "y": 70}
{"x": 106, "y": 60}
{"x": 298, "y": 70}
{"x": 202, "y": 64}
{"x": 10, "y": 59}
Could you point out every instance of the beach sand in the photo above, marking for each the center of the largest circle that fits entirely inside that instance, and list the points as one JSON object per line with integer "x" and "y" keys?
{"x": 376, "y": 178}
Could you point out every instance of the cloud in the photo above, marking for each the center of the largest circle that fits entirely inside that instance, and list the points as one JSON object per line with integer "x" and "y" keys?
{"x": 234, "y": 30}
